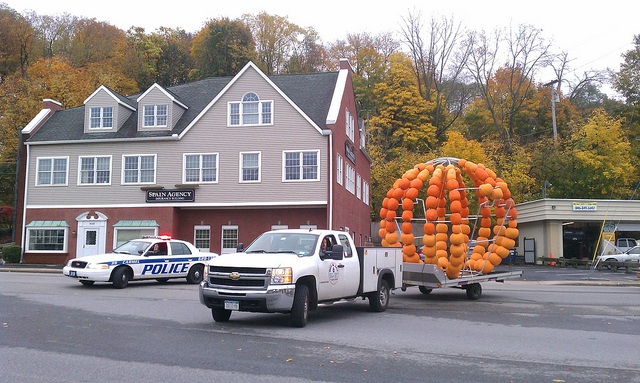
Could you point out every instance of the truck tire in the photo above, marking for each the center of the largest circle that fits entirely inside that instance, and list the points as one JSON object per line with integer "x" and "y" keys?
{"x": 220, "y": 315}
{"x": 379, "y": 300}
{"x": 474, "y": 291}
{"x": 425, "y": 290}
{"x": 195, "y": 274}
{"x": 300, "y": 309}
{"x": 121, "y": 277}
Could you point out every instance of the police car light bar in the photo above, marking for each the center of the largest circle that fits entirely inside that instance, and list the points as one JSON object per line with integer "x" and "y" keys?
{"x": 164, "y": 237}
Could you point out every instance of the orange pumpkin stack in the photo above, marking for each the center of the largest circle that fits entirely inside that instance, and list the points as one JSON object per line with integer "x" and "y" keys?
{"x": 446, "y": 235}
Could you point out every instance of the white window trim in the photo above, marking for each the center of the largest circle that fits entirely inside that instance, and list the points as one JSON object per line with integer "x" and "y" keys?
{"x": 155, "y": 169}
{"x": 358, "y": 186}
{"x": 259, "y": 168}
{"x": 228, "y": 250}
{"x": 202, "y": 227}
{"x": 365, "y": 192}
{"x": 64, "y": 246}
{"x": 350, "y": 179}
{"x": 37, "y": 180}
{"x": 284, "y": 166}
{"x": 349, "y": 126}
{"x": 184, "y": 168}
{"x": 339, "y": 169}
{"x": 94, "y": 171}
{"x": 117, "y": 229}
{"x": 155, "y": 116}
{"x": 102, "y": 127}
{"x": 241, "y": 114}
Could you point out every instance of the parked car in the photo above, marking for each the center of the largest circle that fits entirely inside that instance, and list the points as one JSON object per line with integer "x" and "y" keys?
{"x": 633, "y": 254}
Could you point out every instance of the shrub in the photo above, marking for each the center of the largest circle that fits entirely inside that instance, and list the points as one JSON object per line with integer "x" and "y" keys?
{"x": 11, "y": 254}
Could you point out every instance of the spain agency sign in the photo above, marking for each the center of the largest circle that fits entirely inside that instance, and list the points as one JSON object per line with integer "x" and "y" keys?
{"x": 178, "y": 195}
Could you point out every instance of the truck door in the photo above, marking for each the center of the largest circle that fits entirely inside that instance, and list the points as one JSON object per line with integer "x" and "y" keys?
{"x": 331, "y": 272}
{"x": 351, "y": 267}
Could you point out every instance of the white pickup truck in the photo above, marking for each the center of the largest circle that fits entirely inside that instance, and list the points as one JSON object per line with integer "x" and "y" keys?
{"x": 291, "y": 271}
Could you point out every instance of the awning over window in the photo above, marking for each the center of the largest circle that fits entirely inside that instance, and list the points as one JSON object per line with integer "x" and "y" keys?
{"x": 47, "y": 224}
{"x": 136, "y": 223}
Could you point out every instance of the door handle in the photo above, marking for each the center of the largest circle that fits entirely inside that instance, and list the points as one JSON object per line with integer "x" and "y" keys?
{"x": 341, "y": 266}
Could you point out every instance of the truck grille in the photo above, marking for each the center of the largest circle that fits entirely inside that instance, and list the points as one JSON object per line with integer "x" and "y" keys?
{"x": 238, "y": 277}
{"x": 78, "y": 264}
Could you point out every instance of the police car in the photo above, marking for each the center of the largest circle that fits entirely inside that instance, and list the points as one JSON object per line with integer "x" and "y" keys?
{"x": 159, "y": 258}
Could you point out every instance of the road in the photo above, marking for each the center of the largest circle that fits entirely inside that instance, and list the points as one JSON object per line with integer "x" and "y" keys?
{"x": 534, "y": 329}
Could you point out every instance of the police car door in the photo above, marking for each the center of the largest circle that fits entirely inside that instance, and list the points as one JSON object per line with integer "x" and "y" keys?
{"x": 181, "y": 259}
{"x": 157, "y": 263}
{"x": 331, "y": 275}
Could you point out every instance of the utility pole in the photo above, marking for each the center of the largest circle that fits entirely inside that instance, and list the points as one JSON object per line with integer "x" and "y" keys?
{"x": 553, "y": 109}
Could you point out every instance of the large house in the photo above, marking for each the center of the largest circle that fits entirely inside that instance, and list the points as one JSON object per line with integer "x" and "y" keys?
{"x": 215, "y": 162}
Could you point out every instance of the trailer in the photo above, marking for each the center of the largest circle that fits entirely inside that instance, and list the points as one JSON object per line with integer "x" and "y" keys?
{"x": 428, "y": 277}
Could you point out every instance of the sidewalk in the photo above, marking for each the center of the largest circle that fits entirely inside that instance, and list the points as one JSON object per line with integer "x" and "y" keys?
{"x": 30, "y": 268}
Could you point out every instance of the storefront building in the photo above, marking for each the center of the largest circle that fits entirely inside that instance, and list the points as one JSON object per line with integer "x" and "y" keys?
{"x": 574, "y": 228}
{"x": 214, "y": 162}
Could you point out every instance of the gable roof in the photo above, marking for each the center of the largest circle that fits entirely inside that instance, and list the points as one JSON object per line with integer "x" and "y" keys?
{"x": 170, "y": 95}
{"x": 120, "y": 99}
{"x": 310, "y": 93}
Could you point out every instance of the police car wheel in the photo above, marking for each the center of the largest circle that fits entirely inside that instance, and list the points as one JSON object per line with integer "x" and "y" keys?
{"x": 121, "y": 277}
{"x": 195, "y": 274}
{"x": 221, "y": 315}
{"x": 87, "y": 283}
{"x": 162, "y": 280}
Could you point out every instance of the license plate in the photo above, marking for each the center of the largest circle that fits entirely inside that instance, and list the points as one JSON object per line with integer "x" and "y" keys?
{"x": 231, "y": 305}
{"x": 73, "y": 273}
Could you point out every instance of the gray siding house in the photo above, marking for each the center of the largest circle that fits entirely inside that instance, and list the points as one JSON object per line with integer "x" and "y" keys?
{"x": 214, "y": 162}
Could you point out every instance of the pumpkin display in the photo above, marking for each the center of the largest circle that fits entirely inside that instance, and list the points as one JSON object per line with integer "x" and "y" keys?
{"x": 448, "y": 225}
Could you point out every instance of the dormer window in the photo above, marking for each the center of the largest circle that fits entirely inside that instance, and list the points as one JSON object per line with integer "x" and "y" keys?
{"x": 155, "y": 116}
{"x": 101, "y": 118}
{"x": 250, "y": 111}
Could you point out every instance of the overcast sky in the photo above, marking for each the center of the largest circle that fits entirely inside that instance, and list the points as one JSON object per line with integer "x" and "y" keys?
{"x": 595, "y": 34}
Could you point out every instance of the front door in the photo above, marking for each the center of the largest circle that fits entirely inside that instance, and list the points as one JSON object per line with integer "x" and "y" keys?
{"x": 90, "y": 246}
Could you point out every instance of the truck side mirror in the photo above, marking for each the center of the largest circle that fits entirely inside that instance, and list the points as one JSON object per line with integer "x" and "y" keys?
{"x": 240, "y": 247}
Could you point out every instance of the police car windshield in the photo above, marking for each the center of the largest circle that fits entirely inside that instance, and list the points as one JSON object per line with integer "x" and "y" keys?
{"x": 297, "y": 243}
{"x": 132, "y": 247}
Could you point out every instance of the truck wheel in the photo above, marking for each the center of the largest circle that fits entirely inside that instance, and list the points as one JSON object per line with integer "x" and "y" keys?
{"x": 121, "y": 277}
{"x": 300, "y": 309}
{"x": 379, "y": 300}
{"x": 87, "y": 283}
{"x": 195, "y": 274}
{"x": 424, "y": 290}
{"x": 474, "y": 291}
{"x": 221, "y": 315}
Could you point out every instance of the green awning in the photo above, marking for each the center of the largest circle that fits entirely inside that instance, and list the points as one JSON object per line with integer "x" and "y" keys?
{"x": 47, "y": 224}
{"x": 136, "y": 223}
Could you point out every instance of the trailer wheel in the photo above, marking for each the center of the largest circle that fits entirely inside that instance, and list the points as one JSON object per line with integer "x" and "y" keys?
{"x": 474, "y": 291}
{"x": 424, "y": 290}
{"x": 220, "y": 315}
{"x": 300, "y": 309}
{"x": 379, "y": 300}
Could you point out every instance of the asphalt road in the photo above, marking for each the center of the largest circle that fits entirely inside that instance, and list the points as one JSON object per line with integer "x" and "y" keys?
{"x": 553, "y": 325}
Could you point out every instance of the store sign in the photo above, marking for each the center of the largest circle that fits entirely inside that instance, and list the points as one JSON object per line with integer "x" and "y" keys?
{"x": 585, "y": 206}
{"x": 178, "y": 195}
{"x": 350, "y": 151}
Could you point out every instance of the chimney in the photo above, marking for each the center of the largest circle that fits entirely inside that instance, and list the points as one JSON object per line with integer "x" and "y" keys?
{"x": 53, "y": 105}
{"x": 344, "y": 64}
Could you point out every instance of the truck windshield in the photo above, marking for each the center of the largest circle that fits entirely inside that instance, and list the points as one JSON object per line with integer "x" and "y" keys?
{"x": 298, "y": 243}
{"x": 132, "y": 247}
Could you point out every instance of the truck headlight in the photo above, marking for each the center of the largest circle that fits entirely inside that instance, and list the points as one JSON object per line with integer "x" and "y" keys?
{"x": 281, "y": 276}
{"x": 97, "y": 266}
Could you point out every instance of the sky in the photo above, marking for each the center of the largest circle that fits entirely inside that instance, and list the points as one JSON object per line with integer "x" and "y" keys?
{"x": 594, "y": 34}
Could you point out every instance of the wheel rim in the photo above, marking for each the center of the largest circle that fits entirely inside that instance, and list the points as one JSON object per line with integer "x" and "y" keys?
{"x": 383, "y": 296}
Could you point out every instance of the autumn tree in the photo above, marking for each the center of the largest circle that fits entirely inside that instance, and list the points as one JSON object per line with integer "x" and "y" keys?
{"x": 275, "y": 38}
{"x": 222, "y": 48}
{"x": 627, "y": 80}
{"x": 54, "y": 33}
{"x": 595, "y": 161}
{"x": 526, "y": 52}
{"x": 140, "y": 59}
{"x": 308, "y": 55}
{"x": 402, "y": 118}
{"x": 96, "y": 42}
{"x": 175, "y": 61}
{"x": 439, "y": 56}
{"x": 17, "y": 39}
